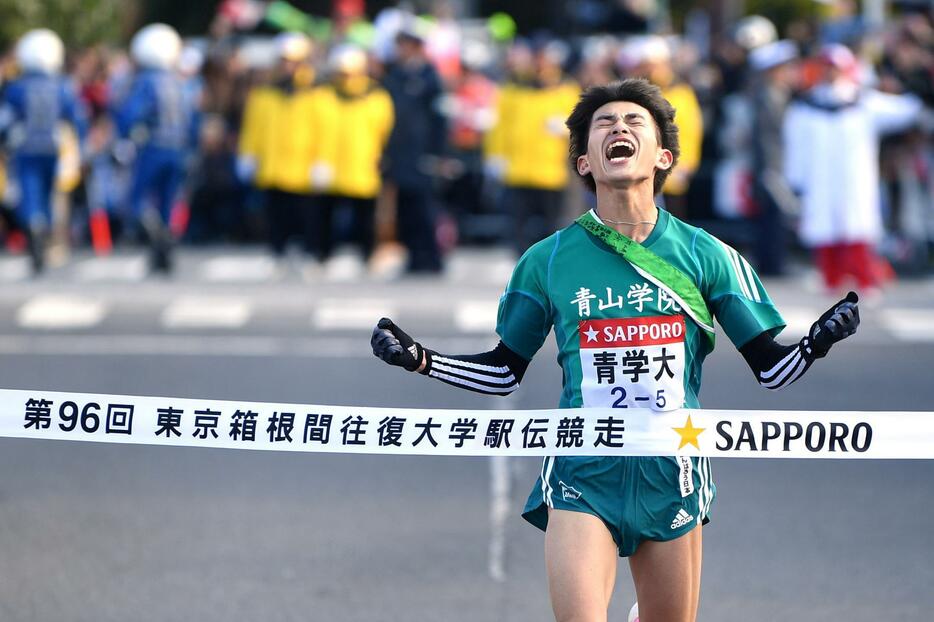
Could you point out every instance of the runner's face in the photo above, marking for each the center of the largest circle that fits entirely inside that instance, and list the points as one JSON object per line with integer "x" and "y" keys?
{"x": 623, "y": 148}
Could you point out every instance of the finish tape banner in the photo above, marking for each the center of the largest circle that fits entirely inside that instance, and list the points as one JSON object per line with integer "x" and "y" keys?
{"x": 435, "y": 432}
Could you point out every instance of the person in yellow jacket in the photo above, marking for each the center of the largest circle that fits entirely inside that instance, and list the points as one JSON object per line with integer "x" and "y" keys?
{"x": 650, "y": 57}
{"x": 276, "y": 140}
{"x": 527, "y": 147}
{"x": 353, "y": 117}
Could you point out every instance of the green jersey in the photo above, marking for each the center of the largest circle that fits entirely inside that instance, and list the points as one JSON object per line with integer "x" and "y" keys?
{"x": 622, "y": 340}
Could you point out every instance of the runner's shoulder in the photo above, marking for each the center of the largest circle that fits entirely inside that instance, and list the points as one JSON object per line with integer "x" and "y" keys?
{"x": 535, "y": 262}
{"x": 682, "y": 231}
{"x": 699, "y": 242}
{"x": 541, "y": 252}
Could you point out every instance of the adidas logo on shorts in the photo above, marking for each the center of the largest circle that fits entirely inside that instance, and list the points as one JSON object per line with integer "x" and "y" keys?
{"x": 682, "y": 519}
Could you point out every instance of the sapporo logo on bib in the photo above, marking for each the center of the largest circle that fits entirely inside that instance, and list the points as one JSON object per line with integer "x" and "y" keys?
{"x": 633, "y": 362}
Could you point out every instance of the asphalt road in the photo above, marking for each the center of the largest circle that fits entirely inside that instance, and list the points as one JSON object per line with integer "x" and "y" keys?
{"x": 108, "y": 532}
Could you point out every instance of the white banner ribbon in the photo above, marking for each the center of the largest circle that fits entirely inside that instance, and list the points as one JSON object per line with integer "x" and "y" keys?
{"x": 435, "y": 432}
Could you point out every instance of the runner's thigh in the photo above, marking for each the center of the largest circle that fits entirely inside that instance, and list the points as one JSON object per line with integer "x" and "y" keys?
{"x": 667, "y": 578}
{"x": 580, "y": 558}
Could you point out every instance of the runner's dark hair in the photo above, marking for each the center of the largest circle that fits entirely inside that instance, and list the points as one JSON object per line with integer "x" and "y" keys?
{"x": 638, "y": 91}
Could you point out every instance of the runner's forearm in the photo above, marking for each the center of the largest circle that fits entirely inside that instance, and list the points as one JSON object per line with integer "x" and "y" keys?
{"x": 775, "y": 365}
{"x": 497, "y": 372}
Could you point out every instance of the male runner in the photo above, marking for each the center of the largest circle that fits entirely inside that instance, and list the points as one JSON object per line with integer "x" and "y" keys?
{"x": 625, "y": 263}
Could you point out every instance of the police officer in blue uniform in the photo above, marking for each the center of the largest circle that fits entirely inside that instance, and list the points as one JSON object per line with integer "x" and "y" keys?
{"x": 161, "y": 121}
{"x": 32, "y": 108}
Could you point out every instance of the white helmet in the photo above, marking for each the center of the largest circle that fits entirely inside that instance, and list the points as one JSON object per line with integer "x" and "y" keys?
{"x": 650, "y": 49}
{"x": 754, "y": 31}
{"x": 293, "y": 46}
{"x": 642, "y": 49}
{"x": 156, "y": 46}
{"x": 40, "y": 50}
{"x": 348, "y": 58}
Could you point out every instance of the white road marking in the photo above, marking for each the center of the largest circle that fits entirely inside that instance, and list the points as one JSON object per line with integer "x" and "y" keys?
{"x": 344, "y": 268}
{"x": 57, "y": 312}
{"x": 141, "y": 345}
{"x": 476, "y": 317}
{"x": 188, "y": 345}
{"x": 197, "y": 312}
{"x": 238, "y": 269}
{"x": 500, "y": 505}
{"x": 112, "y": 269}
{"x": 351, "y": 314}
{"x": 913, "y": 325}
{"x": 500, "y": 271}
{"x": 14, "y": 269}
{"x": 500, "y": 511}
{"x": 466, "y": 267}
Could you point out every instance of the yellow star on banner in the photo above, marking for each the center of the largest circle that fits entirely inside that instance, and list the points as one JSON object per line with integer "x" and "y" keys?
{"x": 689, "y": 434}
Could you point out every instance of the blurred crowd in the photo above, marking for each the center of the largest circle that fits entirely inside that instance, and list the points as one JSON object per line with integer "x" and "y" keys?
{"x": 410, "y": 134}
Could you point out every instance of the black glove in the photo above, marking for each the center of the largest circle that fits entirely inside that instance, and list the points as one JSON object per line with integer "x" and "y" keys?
{"x": 394, "y": 346}
{"x": 838, "y": 322}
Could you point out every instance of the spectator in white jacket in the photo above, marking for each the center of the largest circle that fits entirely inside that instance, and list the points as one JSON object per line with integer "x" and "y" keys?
{"x": 832, "y": 161}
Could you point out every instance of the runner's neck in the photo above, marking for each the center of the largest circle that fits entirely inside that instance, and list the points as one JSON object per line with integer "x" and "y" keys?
{"x": 630, "y": 211}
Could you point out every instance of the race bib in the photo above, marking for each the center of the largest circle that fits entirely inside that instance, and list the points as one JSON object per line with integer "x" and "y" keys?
{"x": 633, "y": 362}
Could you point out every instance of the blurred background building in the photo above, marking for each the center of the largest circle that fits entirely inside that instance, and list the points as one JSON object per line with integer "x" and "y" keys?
{"x": 405, "y": 130}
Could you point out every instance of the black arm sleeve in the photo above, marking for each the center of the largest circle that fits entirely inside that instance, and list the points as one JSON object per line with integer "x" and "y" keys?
{"x": 774, "y": 365}
{"x": 497, "y": 372}
{"x": 777, "y": 366}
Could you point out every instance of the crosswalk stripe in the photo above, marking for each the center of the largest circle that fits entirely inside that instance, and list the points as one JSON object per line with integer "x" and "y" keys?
{"x": 198, "y": 312}
{"x": 187, "y": 345}
{"x": 495, "y": 270}
{"x": 237, "y": 269}
{"x": 344, "y": 267}
{"x": 476, "y": 317}
{"x": 913, "y": 325}
{"x": 112, "y": 269}
{"x": 14, "y": 269}
{"x": 351, "y": 314}
{"x": 57, "y": 312}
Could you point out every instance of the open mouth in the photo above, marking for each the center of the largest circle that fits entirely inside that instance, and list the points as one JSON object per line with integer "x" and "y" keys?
{"x": 620, "y": 150}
